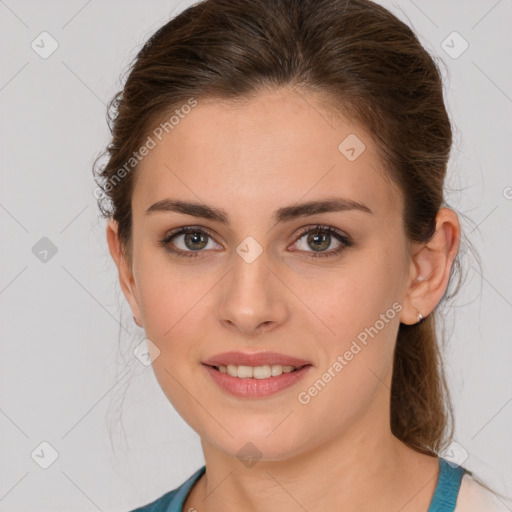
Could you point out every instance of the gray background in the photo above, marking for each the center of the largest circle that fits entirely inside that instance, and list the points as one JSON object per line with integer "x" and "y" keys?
{"x": 69, "y": 379}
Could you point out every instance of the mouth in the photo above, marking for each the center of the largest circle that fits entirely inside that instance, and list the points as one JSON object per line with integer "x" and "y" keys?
{"x": 255, "y": 382}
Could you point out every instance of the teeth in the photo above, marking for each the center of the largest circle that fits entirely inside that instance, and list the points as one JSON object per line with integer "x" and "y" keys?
{"x": 256, "y": 372}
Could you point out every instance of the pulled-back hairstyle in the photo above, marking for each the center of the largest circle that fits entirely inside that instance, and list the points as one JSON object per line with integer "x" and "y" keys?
{"x": 370, "y": 67}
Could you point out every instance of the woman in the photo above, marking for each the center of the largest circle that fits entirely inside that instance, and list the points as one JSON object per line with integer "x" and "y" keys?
{"x": 275, "y": 199}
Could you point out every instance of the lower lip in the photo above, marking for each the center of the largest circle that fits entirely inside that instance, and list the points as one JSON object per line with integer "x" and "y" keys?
{"x": 256, "y": 388}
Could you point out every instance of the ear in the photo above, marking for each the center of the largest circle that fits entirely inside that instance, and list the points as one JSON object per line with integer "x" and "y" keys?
{"x": 430, "y": 267}
{"x": 126, "y": 278}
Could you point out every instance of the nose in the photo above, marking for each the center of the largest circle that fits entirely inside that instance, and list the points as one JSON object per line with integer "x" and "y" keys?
{"x": 254, "y": 299}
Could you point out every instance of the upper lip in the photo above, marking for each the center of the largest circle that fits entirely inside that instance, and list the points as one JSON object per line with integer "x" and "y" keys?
{"x": 255, "y": 359}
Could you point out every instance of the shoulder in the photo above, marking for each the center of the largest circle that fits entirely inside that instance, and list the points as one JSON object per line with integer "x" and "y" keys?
{"x": 161, "y": 504}
{"x": 172, "y": 501}
{"x": 473, "y": 497}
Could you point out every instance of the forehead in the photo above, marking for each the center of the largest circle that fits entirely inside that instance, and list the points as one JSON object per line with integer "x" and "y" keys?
{"x": 273, "y": 149}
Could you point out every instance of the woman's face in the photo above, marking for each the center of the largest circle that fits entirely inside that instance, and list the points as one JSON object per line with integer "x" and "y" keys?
{"x": 252, "y": 283}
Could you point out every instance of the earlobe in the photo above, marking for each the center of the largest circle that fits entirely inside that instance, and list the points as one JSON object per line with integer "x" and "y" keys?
{"x": 430, "y": 268}
{"x": 126, "y": 279}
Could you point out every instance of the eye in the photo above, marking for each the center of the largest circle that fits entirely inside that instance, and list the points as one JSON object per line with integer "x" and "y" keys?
{"x": 193, "y": 241}
{"x": 321, "y": 237}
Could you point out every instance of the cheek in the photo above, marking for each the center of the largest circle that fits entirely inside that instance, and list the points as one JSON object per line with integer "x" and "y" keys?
{"x": 173, "y": 312}
{"x": 343, "y": 301}
{"x": 169, "y": 294}
{"x": 356, "y": 364}
{"x": 360, "y": 307}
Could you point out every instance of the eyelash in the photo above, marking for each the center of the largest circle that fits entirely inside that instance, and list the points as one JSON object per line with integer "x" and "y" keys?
{"x": 345, "y": 240}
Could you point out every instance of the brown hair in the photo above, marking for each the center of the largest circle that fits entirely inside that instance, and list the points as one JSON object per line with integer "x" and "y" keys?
{"x": 371, "y": 67}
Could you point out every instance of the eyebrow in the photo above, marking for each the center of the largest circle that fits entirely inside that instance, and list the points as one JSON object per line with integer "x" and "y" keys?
{"x": 284, "y": 214}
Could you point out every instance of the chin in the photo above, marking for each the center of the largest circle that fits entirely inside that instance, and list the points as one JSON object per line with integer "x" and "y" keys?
{"x": 252, "y": 446}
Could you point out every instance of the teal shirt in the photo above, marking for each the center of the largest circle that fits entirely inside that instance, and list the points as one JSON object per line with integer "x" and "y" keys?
{"x": 444, "y": 499}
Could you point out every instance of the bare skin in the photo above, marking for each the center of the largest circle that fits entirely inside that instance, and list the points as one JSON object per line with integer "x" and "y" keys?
{"x": 250, "y": 160}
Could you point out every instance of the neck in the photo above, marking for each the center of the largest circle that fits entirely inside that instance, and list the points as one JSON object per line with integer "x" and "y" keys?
{"x": 366, "y": 470}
